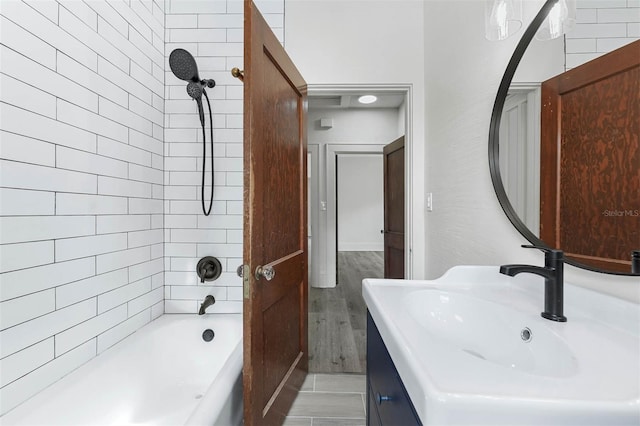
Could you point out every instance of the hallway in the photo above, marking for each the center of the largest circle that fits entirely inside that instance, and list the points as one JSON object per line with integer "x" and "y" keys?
{"x": 337, "y": 316}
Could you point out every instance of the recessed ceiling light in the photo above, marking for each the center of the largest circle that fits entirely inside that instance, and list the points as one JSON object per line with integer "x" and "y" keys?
{"x": 367, "y": 99}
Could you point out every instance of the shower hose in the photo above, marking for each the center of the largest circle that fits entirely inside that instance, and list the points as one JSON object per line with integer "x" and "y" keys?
{"x": 204, "y": 158}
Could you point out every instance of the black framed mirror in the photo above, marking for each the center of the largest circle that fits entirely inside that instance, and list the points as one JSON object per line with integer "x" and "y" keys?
{"x": 494, "y": 145}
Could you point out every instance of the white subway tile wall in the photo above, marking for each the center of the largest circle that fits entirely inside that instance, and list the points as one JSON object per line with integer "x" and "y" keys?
{"x": 212, "y": 31}
{"x": 100, "y": 175}
{"x": 601, "y": 26}
{"x": 81, "y": 177}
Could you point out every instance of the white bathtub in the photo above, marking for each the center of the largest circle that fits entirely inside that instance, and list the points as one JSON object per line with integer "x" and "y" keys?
{"x": 163, "y": 374}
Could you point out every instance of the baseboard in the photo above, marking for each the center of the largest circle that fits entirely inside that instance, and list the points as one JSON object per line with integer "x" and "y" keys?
{"x": 360, "y": 246}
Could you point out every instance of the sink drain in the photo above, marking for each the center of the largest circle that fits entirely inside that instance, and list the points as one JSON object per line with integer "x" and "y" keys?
{"x": 208, "y": 335}
{"x": 526, "y": 335}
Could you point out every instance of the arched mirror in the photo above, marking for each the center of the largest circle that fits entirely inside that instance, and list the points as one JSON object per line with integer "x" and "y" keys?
{"x": 549, "y": 192}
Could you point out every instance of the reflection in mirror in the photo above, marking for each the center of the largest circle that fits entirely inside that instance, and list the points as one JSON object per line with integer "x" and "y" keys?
{"x": 502, "y": 18}
{"x": 518, "y": 167}
{"x": 560, "y": 20}
{"x": 590, "y": 187}
{"x": 520, "y": 129}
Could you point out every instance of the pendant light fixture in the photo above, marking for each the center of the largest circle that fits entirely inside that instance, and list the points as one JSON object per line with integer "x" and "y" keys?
{"x": 560, "y": 20}
{"x": 502, "y": 18}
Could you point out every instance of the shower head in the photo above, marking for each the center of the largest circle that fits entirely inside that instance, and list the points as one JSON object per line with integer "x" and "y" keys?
{"x": 183, "y": 65}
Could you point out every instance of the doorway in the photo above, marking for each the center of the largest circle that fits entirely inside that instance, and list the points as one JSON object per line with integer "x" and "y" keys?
{"x": 336, "y": 124}
{"x": 337, "y": 312}
{"x": 337, "y": 315}
{"x": 344, "y": 136}
{"x": 359, "y": 217}
{"x": 359, "y": 222}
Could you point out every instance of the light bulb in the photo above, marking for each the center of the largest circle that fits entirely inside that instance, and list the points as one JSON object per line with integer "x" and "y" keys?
{"x": 503, "y": 18}
{"x": 367, "y": 99}
{"x": 560, "y": 20}
{"x": 499, "y": 19}
{"x": 556, "y": 17}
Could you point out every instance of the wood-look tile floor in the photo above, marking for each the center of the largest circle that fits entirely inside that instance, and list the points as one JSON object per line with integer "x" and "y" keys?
{"x": 337, "y": 345}
{"x": 337, "y": 316}
{"x": 330, "y": 400}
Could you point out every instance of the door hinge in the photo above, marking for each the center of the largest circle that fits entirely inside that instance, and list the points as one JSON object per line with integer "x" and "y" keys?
{"x": 246, "y": 281}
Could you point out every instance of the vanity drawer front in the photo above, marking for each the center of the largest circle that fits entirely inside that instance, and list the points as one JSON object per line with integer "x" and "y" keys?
{"x": 380, "y": 369}
{"x": 387, "y": 394}
{"x": 395, "y": 411}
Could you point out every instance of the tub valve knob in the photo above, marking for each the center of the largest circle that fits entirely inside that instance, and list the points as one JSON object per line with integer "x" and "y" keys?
{"x": 209, "y": 268}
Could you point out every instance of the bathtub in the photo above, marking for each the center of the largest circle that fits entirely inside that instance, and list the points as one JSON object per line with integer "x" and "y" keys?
{"x": 163, "y": 374}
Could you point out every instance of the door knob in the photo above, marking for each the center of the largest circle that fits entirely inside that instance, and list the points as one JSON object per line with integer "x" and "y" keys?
{"x": 266, "y": 272}
{"x": 240, "y": 271}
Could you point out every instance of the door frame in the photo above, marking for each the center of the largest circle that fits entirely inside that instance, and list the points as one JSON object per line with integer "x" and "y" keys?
{"x": 326, "y": 276}
{"x": 313, "y": 197}
{"x": 332, "y": 152}
{"x": 527, "y": 208}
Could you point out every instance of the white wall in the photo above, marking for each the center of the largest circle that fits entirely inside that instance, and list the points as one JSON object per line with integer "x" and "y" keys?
{"x": 349, "y": 42}
{"x": 213, "y": 32}
{"x": 467, "y": 225}
{"x": 81, "y": 176}
{"x": 541, "y": 61}
{"x": 360, "y": 202}
{"x": 402, "y": 119}
{"x": 354, "y": 126}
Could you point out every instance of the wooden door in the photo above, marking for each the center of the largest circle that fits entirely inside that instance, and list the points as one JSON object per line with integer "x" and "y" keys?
{"x": 275, "y": 226}
{"x": 394, "y": 209}
{"x": 590, "y": 168}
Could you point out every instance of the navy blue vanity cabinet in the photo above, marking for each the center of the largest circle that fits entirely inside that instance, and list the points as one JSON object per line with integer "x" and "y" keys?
{"x": 388, "y": 403}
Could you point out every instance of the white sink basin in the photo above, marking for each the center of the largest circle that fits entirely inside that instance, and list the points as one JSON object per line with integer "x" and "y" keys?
{"x": 491, "y": 332}
{"x": 472, "y": 348}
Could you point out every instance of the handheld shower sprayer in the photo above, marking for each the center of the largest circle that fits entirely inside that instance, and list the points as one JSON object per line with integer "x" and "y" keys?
{"x": 184, "y": 66}
{"x": 195, "y": 90}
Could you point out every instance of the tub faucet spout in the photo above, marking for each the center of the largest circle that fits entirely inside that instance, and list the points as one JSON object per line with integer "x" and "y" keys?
{"x": 208, "y": 301}
{"x": 553, "y": 273}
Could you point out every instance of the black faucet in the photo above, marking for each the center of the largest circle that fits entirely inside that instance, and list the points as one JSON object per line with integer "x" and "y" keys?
{"x": 208, "y": 301}
{"x": 635, "y": 262}
{"x": 553, "y": 273}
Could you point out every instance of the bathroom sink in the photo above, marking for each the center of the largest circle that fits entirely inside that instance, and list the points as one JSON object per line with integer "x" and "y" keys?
{"x": 491, "y": 332}
{"x": 471, "y": 348}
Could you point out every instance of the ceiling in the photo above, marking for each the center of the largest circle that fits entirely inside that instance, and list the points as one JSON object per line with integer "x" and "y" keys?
{"x": 350, "y": 101}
